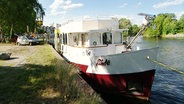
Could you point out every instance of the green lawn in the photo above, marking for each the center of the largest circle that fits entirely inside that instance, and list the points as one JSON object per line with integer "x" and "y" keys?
{"x": 44, "y": 79}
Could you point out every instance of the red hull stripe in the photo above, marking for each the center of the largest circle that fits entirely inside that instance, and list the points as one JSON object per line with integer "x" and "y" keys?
{"x": 82, "y": 68}
{"x": 135, "y": 84}
{"x": 132, "y": 84}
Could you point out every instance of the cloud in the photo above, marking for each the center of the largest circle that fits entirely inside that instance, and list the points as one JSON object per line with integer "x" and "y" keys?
{"x": 61, "y": 6}
{"x": 139, "y": 4}
{"x": 56, "y": 4}
{"x": 118, "y": 16}
{"x": 168, "y": 3}
{"x": 123, "y": 5}
{"x": 179, "y": 14}
{"x": 58, "y": 12}
{"x": 71, "y": 6}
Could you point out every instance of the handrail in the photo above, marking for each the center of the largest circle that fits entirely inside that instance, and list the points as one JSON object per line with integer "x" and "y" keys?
{"x": 97, "y": 46}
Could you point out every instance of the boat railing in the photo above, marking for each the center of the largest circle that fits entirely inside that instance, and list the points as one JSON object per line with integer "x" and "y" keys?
{"x": 94, "y": 46}
{"x": 98, "y": 50}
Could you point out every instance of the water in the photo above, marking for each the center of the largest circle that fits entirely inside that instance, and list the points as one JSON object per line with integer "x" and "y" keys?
{"x": 168, "y": 86}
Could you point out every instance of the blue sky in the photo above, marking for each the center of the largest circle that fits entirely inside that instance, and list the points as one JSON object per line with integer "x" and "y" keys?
{"x": 58, "y": 11}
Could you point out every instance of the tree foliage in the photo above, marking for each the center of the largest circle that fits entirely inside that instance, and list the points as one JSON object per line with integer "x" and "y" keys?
{"x": 134, "y": 29}
{"x": 126, "y": 24}
{"x": 181, "y": 24}
{"x": 166, "y": 23}
{"x": 17, "y": 15}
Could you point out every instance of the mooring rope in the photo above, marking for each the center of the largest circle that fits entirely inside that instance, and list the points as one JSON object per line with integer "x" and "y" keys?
{"x": 167, "y": 66}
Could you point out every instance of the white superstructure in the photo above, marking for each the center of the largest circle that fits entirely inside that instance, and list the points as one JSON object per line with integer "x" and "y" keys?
{"x": 104, "y": 59}
{"x": 85, "y": 42}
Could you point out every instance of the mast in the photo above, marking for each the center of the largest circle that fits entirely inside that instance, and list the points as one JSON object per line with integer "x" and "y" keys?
{"x": 148, "y": 18}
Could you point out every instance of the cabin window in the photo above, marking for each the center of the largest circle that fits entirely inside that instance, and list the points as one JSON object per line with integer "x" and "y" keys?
{"x": 61, "y": 38}
{"x": 86, "y": 42}
{"x": 117, "y": 37}
{"x": 95, "y": 38}
{"x": 107, "y": 38}
{"x": 75, "y": 40}
{"x": 65, "y": 38}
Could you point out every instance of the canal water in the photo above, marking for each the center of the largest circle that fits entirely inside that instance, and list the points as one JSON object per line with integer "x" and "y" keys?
{"x": 168, "y": 86}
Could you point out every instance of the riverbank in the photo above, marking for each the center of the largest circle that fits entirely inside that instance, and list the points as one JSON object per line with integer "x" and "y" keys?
{"x": 179, "y": 35}
{"x": 174, "y": 36}
{"x": 35, "y": 75}
{"x": 38, "y": 75}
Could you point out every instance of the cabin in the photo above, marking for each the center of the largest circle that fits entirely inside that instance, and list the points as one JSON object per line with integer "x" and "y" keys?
{"x": 90, "y": 34}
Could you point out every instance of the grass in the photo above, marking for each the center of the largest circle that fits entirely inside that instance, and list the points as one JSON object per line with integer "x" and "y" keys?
{"x": 43, "y": 80}
{"x": 43, "y": 55}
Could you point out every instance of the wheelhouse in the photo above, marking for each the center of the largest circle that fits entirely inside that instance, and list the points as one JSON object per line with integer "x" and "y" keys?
{"x": 93, "y": 38}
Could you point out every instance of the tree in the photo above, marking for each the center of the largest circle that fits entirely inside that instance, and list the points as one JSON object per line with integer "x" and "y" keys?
{"x": 17, "y": 15}
{"x": 173, "y": 27}
{"x": 134, "y": 29}
{"x": 125, "y": 24}
{"x": 181, "y": 24}
{"x": 169, "y": 24}
{"x": 165, "y": 24}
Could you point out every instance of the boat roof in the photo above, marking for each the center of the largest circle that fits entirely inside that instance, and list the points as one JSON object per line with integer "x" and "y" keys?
{"x": 99, "y": 31}
{"x": 90, "y": 26}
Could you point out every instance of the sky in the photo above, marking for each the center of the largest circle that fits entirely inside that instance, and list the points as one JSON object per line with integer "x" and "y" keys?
{"x": 59, "y": 11}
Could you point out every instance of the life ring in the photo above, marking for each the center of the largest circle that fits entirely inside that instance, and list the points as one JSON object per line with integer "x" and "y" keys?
{"x": 94, "y": 43}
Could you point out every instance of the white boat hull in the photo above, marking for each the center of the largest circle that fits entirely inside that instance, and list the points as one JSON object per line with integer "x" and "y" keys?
{"x": 105, "y": 60}
{"x": 129, "y": 73}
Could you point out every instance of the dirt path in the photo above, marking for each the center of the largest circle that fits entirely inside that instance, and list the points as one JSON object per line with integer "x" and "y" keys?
{"x": 19, "y": 53}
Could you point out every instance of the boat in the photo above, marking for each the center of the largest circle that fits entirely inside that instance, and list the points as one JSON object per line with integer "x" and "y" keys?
{"x": 105, "y": 61}
{"x": 4, "y": 55}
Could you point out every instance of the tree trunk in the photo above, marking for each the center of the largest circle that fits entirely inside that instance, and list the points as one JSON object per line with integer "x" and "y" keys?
{"x": 27, "y": 29}
{"x": 11, "y": 31}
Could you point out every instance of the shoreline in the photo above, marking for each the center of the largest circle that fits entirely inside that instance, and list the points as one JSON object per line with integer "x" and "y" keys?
{"x": 179, "y": 35}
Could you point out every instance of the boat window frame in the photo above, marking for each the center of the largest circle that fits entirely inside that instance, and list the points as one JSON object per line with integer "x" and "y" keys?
{"x": 65, "y": 38}
{"x": 120, "y": 37}
{"x": 107, "y": 36}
